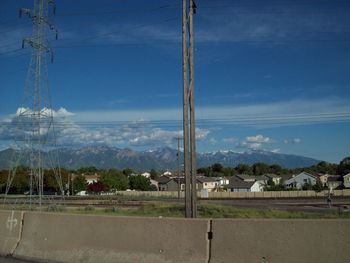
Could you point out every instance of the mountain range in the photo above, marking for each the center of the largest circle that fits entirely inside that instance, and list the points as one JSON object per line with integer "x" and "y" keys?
{"x": 103, "y": 157}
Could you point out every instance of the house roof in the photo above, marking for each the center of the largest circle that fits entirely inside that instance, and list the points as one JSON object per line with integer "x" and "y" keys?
{"x": 92, "y": 177}
{"x": 292, "y": 179}
{"x": 163, "y": 179}
{"x": 252, "y": 177}
{"x": 335, "y": 178}
{"x": 207, "y": 179}
{"x": 239, "y": 184}
{"x": 314, "y": 176}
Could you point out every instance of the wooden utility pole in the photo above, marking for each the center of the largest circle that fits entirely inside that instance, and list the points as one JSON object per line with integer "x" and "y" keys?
{"x": 189, "y": 127}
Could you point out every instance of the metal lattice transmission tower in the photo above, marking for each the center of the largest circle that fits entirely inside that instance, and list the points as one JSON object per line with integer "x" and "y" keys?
{"x": 34, "y": 135}
{"x": 189, "y": 128}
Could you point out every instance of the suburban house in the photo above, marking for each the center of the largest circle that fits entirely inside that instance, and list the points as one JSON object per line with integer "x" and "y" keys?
{"x": 238, "y": 185}
{"x": 346, "y": 180}
{"x": 276, "y": 179}
{"x": 334, "y": 182}
{"x": 253, "y": 178}
{"x": 298, "y": 181}
{"x": 208, "y": 183}
{"x": 223, "y": 181}
{"x": 261, "y": 180}
{"x": 166, "y": 183}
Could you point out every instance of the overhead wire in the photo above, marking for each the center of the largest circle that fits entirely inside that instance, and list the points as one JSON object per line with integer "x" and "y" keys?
{"x": 245, "y": 120}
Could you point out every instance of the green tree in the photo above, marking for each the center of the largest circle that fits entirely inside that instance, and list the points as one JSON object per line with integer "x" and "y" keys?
{"x": 243, "y": 169}
{"x": 127, "y": 172}
{"x": 217, "y": 167}
{"x": 87, "y": 170}
{"x": 140, "y": 183}
{"x": 260, "y": 168}
{"x": 307, "y": 186}
{"x": 79, "y": 184}
{"x": 154, "y": 174}
{"x": 114, "y": 180}
{"x": 344, "y": 166}
{"x": 318, "y": 187}
{"x": 276, "y": 169}
{"x": 229, "y": 171}
{"x": 207, "y": 171}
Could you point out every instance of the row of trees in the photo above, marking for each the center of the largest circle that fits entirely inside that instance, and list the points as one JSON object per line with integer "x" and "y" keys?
{"x": 112, "y": 180}
{"x": 217, "y": 170}
{"x": 20, "y": 183}
{"x": 121, "y": 179}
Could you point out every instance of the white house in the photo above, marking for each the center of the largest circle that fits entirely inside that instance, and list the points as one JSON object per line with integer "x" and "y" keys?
{"x": 238, "y": 185}
{"x": 346, "y": 180}
{"x": 298, "y": 181}
{"x": 209, "y": 183}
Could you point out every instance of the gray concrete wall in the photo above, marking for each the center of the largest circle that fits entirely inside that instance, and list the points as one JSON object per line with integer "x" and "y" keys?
{"x": 10, "y": 231}
{"x": 276, "y": 241}
{"x": 64, "y": 238}
{"x": 93, "y": 239}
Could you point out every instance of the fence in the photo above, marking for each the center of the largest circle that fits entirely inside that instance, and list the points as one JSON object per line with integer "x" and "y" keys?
{"x": 237, "y": 195}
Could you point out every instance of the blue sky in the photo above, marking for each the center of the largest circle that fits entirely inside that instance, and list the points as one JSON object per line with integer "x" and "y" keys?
{"x": 269, "y": 75}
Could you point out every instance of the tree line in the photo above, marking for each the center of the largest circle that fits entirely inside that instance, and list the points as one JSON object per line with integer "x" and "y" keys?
{"x": 218, "y": 170}
{"x": 74, "y": 181}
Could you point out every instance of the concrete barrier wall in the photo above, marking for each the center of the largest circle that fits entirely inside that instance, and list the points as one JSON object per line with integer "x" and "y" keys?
{"x": 10, "y": 231}
{"x": 89, "y": 239}
{"x": 92, "y": 239}
{"x": 276, "y": 241}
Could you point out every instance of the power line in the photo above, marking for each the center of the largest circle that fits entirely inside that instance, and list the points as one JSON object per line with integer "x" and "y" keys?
{"x": 128, "y": 29}
{"x": 118, "y": 11}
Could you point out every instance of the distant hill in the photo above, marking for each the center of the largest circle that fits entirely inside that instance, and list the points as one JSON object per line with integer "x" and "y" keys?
{"x": 103, "y": 157}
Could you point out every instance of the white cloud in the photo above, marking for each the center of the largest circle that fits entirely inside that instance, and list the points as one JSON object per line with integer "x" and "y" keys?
{"x": 70, "y": 132}
{"x": 255, "y": 142}
{"x": 258, "y": 139}
{"x": 296, "y": 141}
